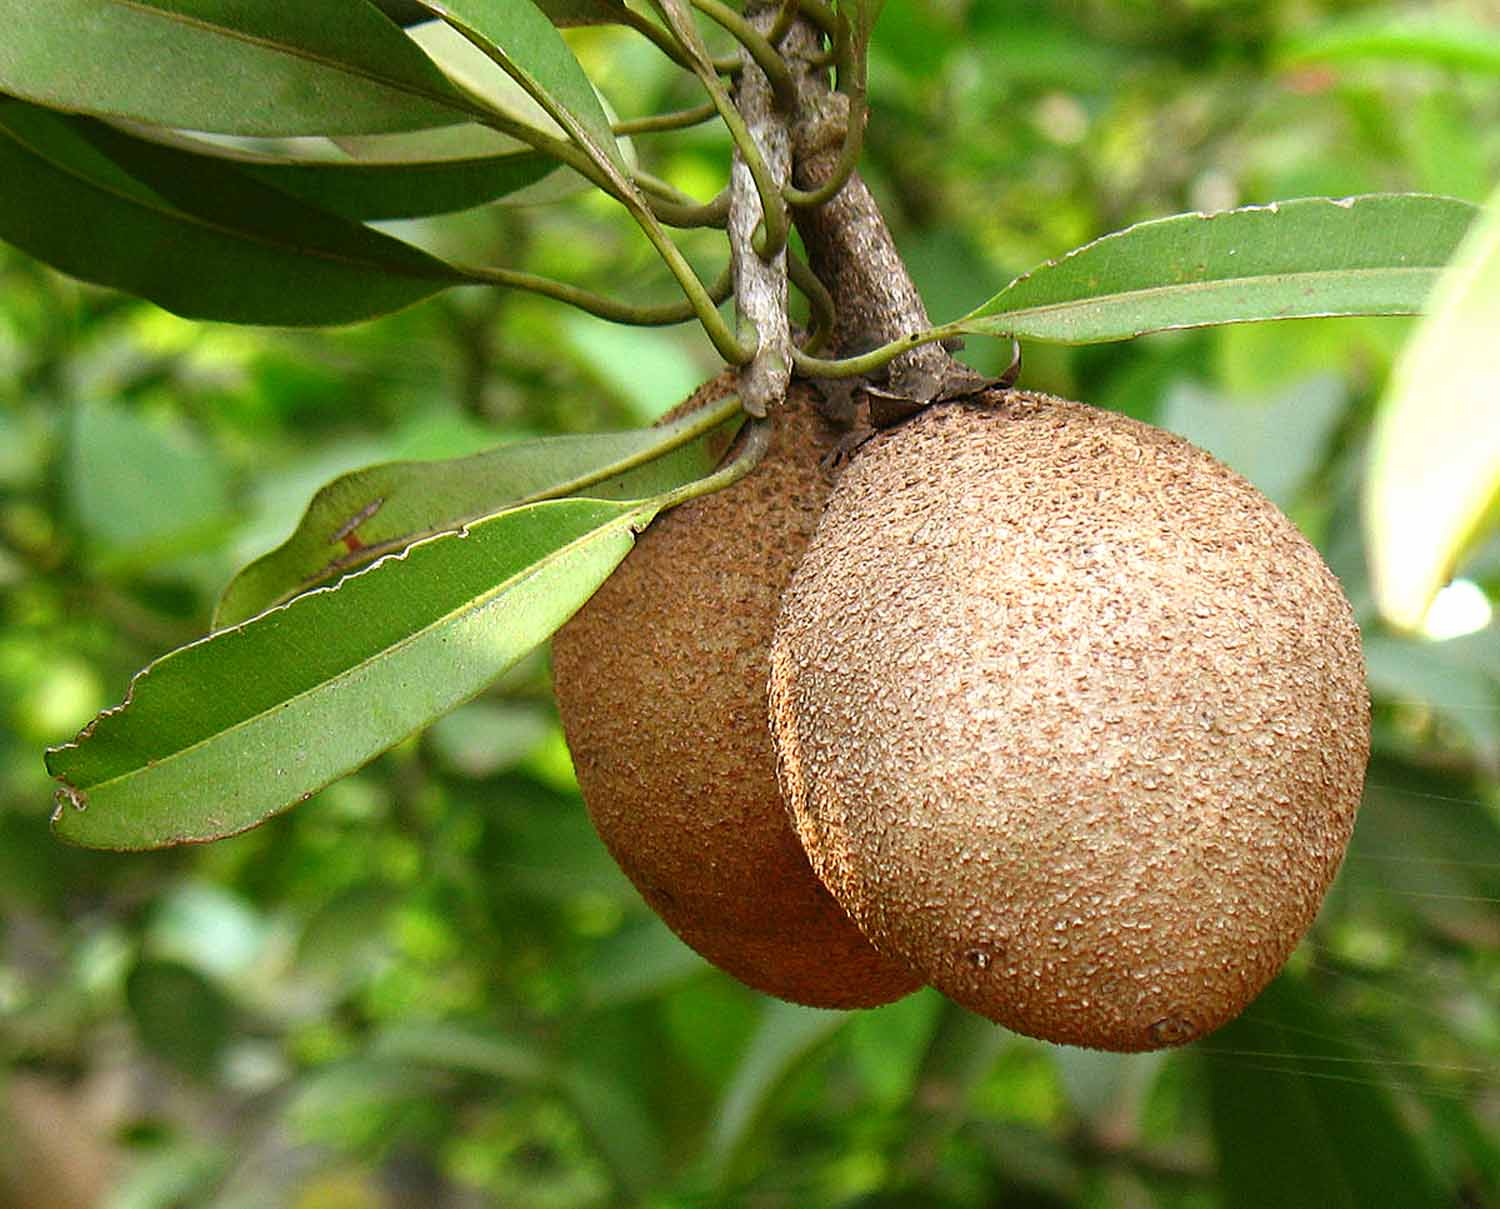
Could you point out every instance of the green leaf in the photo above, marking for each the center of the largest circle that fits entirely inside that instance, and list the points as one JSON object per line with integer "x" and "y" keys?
{"x": 1435, "y": 450}
{"x": 1443, "y": 677}
{"x": 583, "y": 12}
{"x": 255, "y": 67}
{"x": 1374, "y": 255}
{"x": 623, "y": 1130}
{"x": 361, "y": 516}
{"x": 559, "y": 12}
{"x": 141, "y": 491}
{"x": 1446, "y": 41}
{"x": 1276, "y": 443}
{"x": 517, "y": 36}
{"x": 221, "y": 734}
{"x": 179, "y": 1015}
{"x": 181, "y": 1171}
{"x": 193, "y": 235}
{"x": 888, "y": 1046}
{"x": 960, "y": 1054}
{"x": 1299, "y": 1123}
{"x": 370, "y": 189}
{"x": 365, "y": 191}
{"x": 638, "y": 962}
{"x": 787, "y": 1035}
{"x": 1426, "y": 845}
{"x": 455, "y": 1047}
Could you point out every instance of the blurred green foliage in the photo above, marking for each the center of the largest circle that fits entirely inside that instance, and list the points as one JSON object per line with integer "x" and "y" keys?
{"x": 430, "y": 987}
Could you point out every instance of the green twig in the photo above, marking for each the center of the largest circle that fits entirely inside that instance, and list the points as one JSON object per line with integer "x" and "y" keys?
{"x": 819, "y": 300}
{"x": 822, "y": 16}
{"x": 854, "y": 367}
{"x": 853, "y": 69}
{"x": 783, "y": 87}
{"x": 755, "y": 440}
{"x": 612, "y": 309}
{"x": 677, "y": 209}
{"x": 783, "y": 22}
{"x": 656, "y": 35}
{"x": 680, "y": 120}
{"x": 773, "y": 208}
{"x": 603, "y": 171}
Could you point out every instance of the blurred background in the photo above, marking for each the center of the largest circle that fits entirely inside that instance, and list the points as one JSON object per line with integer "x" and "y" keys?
{"x": 430, "y": 987}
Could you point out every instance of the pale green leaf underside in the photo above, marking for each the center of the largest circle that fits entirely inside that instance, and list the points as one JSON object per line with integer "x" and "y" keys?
{"x": 370, "y": 189}
{"x": 219, "y": 735}
{"x": 361, "y": 516}
{"x": 1373, "y": 255}
{"x": 253, "y": 67}
{"x": 1435, "y": 452}
{"x": 517, "y": 35}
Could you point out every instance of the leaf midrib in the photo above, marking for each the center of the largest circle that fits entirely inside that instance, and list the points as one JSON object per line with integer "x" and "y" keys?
{"x": 447, "y": 101}
{"x": 1215, "y": 283}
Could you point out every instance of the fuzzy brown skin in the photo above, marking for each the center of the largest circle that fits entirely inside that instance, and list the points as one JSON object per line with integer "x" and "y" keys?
{"x": 661, "y": 680}
{"x": 1071, "y": 719}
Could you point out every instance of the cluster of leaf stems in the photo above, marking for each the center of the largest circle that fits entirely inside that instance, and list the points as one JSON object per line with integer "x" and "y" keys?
{"x": 655, "y": 205}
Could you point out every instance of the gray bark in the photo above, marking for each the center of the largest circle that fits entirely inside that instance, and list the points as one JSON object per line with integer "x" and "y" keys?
{"x": 760, "y": 286}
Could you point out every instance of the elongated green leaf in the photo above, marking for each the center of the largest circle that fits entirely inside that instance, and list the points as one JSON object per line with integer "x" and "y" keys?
{"x": 259, "y": 67}
{"x": 372, "y": 189}
{"x": 1300, "y": 1123}
{"x": 1446, "y": 41}
{"x": 456, "y": 1047}
{"x": 141, "y": 492}
{"x": 786, "y": 1036}
{"x": 583, "y": 12}
{"x": 1374, "y": 255}
{"x": 559, "y": 12}
{"x": 1426, "y": 845}
{"x": 364, "y": 191}
{"x": 193, "y": 235}
{"x": 179, "y": 1015}
{"x": 516, "y": 35}
{"x": 219, "y": 735}
{"x": 369, "y": 513}
{"x": 1435, "y": 452}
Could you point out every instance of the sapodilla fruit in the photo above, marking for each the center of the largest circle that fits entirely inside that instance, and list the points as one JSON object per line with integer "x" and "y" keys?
{"x": 661, "y": 681}
{"x": 1070, "y": 719}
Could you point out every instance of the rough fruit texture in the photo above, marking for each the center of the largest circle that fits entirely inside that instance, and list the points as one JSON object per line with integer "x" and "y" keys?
{"x": 661, "y": 680}
{"x": 1071, "y": 719}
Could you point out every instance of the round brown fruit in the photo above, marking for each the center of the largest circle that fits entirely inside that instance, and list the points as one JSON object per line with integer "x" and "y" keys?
{"x": 661, "y": 680}
{"x": 1070, "y": 718}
